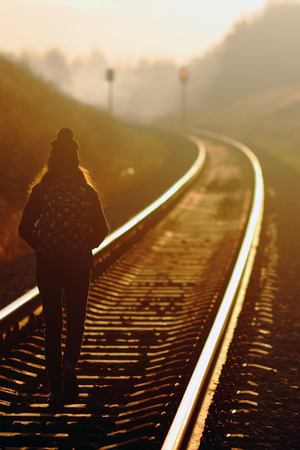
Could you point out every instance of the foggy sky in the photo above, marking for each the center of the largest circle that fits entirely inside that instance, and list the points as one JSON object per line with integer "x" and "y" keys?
{"x": 125, "y": 30}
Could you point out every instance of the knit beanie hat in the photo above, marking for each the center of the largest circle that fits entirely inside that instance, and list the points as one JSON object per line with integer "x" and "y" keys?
{"x": 64, "y": 150}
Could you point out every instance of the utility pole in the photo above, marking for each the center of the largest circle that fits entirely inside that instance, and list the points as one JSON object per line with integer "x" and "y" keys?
{"x": 110, "y": 75}
{"x": 184, "y": 74}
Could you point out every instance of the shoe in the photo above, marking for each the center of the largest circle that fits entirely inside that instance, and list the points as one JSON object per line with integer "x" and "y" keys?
{"x": 70, "y": 385}
{"x": 55, "y": 400}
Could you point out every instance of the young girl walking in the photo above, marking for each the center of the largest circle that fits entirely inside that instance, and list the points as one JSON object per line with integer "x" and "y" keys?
{"x": 63, "y": 220}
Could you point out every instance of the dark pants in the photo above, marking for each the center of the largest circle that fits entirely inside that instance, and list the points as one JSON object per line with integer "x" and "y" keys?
{"x": 54, "y": 279}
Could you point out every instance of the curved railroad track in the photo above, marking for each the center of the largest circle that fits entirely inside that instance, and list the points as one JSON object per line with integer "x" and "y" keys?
{"x": 168, "y": 287}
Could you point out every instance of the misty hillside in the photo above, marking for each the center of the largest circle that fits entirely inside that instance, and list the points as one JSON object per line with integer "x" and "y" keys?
{"x": 268, "y": 120}
{"x": 140, "y": 93}
{"x": 249, "y": 86}
{"x": 31, "y": 112}
{"x": 259, "y": 54}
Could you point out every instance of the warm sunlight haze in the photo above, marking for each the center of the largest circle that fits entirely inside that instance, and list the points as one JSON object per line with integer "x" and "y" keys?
{"x": 149, "y": 232}
{"x": 124, "y": 30}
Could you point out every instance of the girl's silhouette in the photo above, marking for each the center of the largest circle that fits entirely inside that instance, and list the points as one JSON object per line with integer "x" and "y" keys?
{"x": 63, "y": 221}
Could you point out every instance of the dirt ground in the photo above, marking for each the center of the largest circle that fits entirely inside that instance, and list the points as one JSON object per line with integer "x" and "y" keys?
{"x": 282, "y": 279}
{"x": 257, "y": 402}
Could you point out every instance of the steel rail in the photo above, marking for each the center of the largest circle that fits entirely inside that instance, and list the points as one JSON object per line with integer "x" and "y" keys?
{"x": 21, "y": 307}
{"x": 236, "y": 288}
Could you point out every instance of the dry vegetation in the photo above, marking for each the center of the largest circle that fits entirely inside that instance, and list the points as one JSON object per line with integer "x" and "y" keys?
{"x": 248, "y": 86}
{"x": 31, "y": 111}
{"x": 268, "y": 120}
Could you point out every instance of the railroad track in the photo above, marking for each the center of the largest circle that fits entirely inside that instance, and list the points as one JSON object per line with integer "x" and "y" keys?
{"x": 165, "y": 289}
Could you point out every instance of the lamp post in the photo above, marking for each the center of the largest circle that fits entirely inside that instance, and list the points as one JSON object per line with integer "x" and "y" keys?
{"x": 184, "y": 74}
{"x": 110, "y": 75}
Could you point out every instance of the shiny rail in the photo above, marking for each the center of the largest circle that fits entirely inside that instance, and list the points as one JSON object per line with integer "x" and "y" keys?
{"x": 236, "y": 287}
{"x": 107, "y": 251}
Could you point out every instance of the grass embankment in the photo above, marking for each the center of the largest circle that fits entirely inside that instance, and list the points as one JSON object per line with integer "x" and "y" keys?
{"x": 31, "y": 112}
{"x": 268, "y": 120}
{"x": 247, "y": 86}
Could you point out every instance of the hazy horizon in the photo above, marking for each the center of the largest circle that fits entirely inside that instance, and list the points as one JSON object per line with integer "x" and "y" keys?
{"x": 125, "y": 31}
